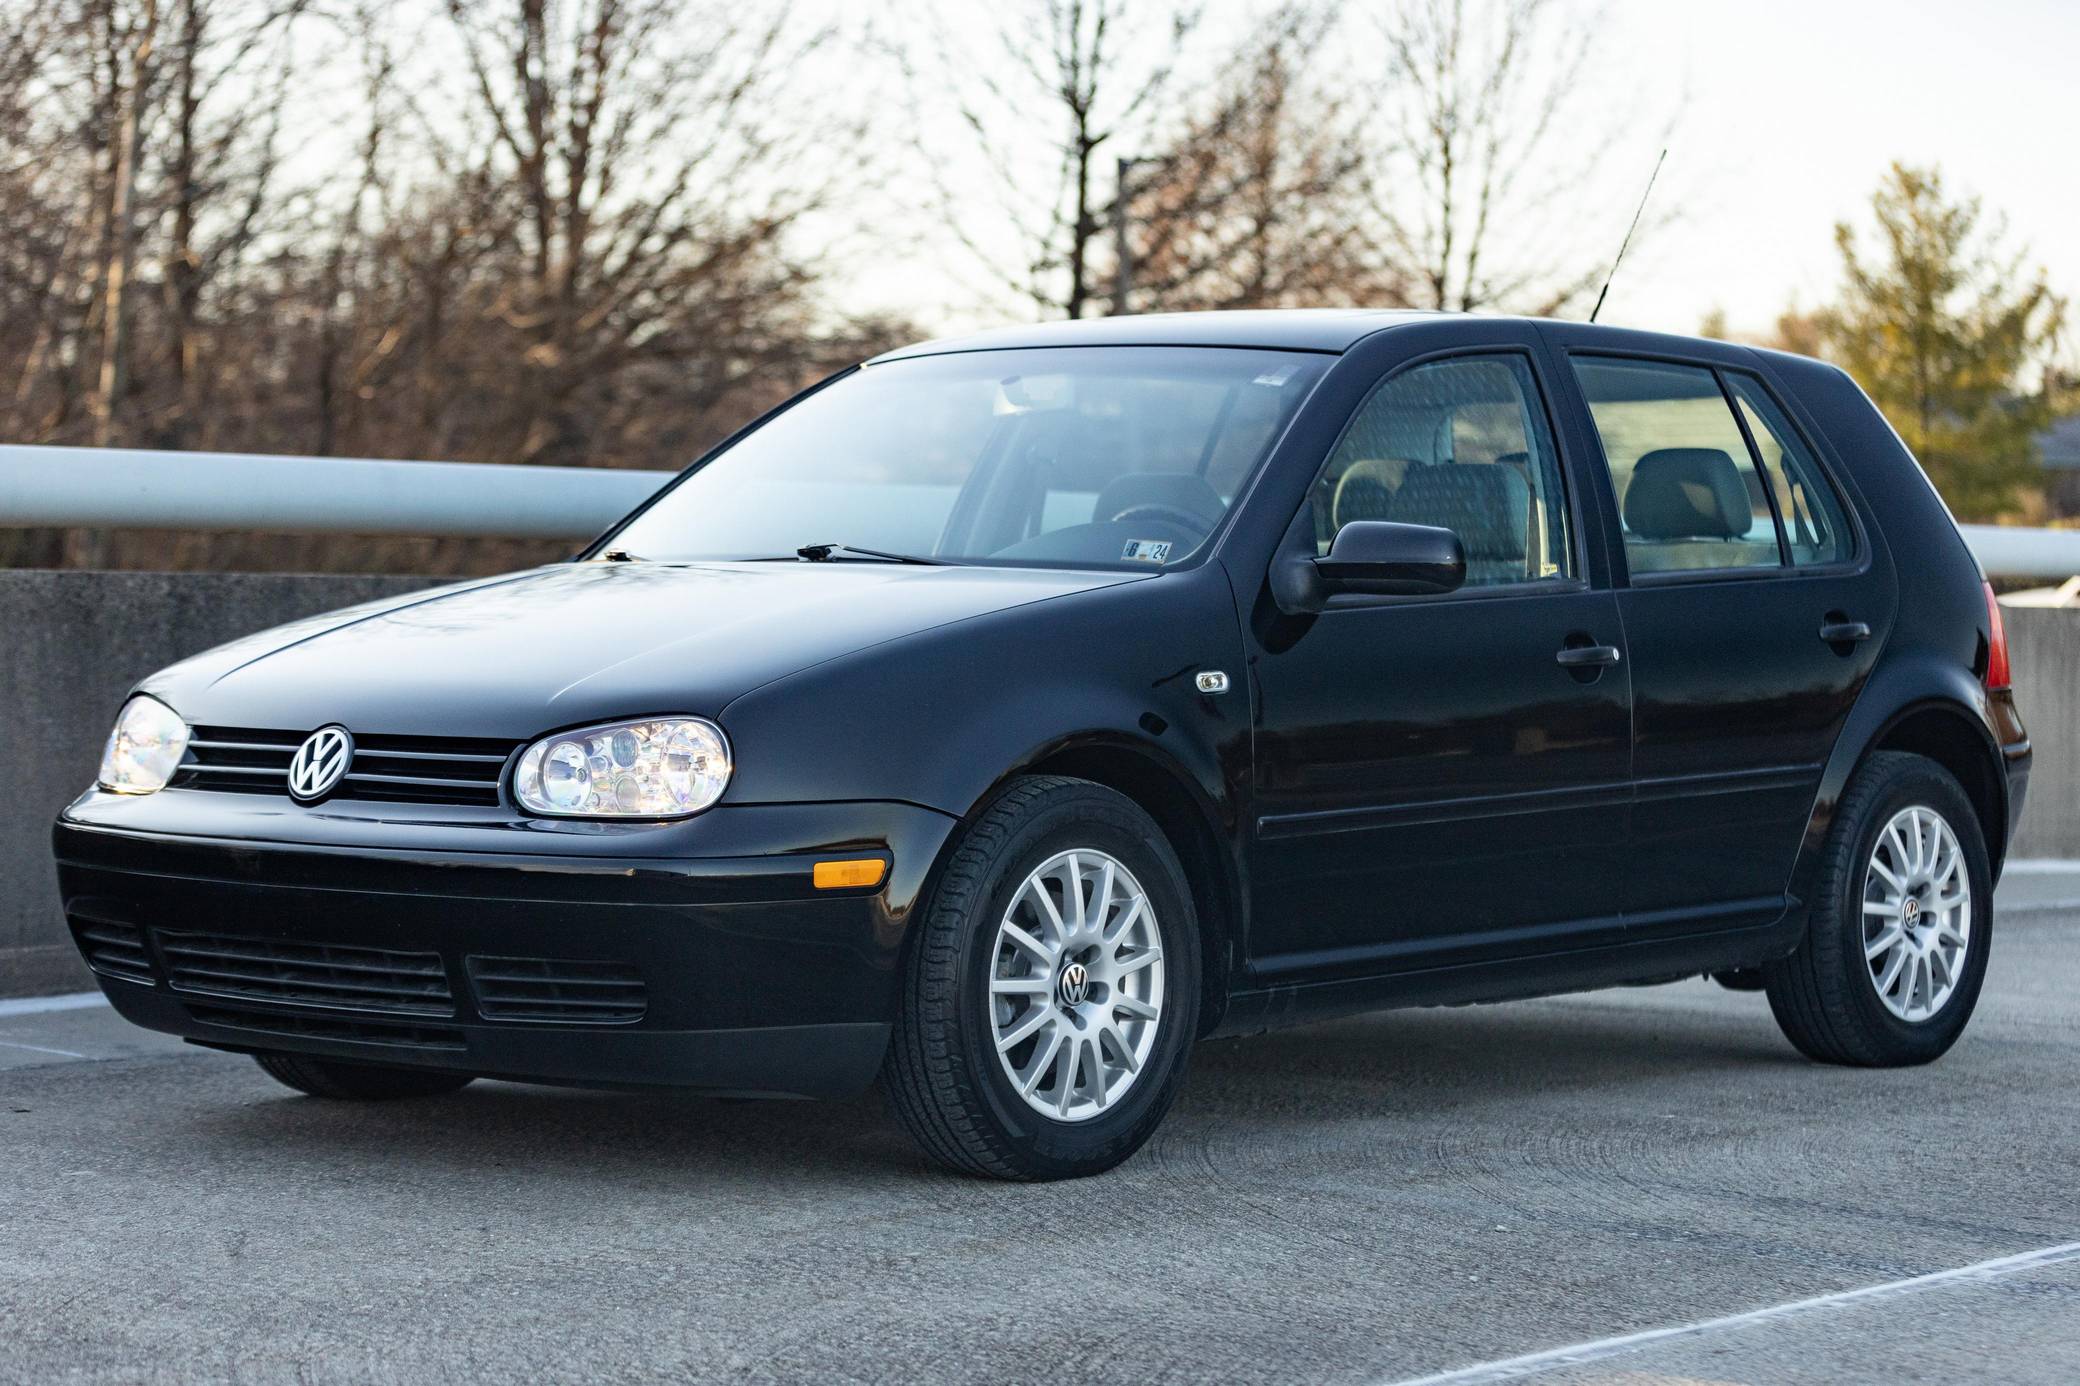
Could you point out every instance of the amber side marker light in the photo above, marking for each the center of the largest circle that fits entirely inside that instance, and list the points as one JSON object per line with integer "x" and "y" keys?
{"x": 849, "y": 875}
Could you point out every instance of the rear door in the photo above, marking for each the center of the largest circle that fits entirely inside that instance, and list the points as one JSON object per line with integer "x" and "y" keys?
{"x": 1753, "y": 612}
{"x": 1443, "y": 779}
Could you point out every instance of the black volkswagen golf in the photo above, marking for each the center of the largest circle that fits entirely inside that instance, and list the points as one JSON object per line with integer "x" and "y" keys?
{"x": 1006, "y": 714}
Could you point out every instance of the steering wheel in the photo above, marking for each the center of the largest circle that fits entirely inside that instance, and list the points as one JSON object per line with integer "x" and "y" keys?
{"x": 1177, "y": 517}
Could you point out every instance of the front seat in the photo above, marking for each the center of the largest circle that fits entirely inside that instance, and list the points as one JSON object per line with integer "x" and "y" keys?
{"x": 1687, "y": 504}
{"x": 1487, "y": 505}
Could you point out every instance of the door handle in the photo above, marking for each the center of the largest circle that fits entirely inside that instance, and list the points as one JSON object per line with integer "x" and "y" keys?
{"x": 1587, "y": 656}
{"x": 1845, "y": 632}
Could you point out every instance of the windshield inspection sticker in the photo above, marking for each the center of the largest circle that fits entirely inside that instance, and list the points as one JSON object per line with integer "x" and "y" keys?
{"x": 1147, "y": 551}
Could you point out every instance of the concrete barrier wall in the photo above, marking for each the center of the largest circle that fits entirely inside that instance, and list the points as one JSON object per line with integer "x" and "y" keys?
{"x": 2044, "y": 650}
{"x": 71, "y": 644}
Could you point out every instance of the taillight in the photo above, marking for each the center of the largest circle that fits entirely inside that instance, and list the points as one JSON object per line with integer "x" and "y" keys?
{"x": 1996, "y": 643}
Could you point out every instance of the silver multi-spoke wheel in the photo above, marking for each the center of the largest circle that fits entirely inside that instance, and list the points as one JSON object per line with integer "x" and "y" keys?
{"x": 1917, "y": 914}
{"x": 1076, "y": 985}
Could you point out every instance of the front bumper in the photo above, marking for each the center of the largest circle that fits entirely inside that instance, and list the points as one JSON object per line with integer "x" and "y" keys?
{"x": 727, "y": 973}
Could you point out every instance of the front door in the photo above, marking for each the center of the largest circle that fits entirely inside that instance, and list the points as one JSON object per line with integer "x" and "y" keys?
{"x": 1753, "y": 614}
{"x": 1443, "y": 779}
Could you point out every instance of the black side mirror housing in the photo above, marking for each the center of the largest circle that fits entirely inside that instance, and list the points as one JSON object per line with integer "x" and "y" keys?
{"x": 1377, "y": 558}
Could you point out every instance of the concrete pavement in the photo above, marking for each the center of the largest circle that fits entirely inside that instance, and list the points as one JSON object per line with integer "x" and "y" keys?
{"x": 1368, "y": 1201}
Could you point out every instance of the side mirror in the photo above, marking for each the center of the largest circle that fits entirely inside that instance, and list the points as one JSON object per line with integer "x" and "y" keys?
{"x": 1377, "y": 558}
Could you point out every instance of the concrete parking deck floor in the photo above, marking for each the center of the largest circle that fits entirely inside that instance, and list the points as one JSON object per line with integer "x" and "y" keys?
{"x": 1372, "y": 1200}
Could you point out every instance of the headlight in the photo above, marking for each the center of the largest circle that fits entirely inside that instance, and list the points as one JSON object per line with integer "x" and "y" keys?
{"x": 144, "y": 749}
{"x": 662, "y": 768}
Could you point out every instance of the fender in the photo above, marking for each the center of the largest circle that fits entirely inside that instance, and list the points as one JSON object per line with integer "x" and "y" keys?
{"x": 1902, "y": 686}
{"x": 1098, "y": 683}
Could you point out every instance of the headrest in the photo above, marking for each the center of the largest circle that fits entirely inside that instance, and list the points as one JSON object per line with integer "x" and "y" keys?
{"x": 1487, "y": 505}
{"x": 1169, "y": 490}
{"x": 1366, "y": 489}
{"x": 1687, "y": 493}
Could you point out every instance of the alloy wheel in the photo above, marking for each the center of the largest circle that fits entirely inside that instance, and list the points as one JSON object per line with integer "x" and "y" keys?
{"x": 1076, "y": 985}
{"x": 1917, "y": 914}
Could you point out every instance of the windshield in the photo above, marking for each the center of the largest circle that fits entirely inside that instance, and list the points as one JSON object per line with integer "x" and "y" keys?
{"x": 1077, "y": 457}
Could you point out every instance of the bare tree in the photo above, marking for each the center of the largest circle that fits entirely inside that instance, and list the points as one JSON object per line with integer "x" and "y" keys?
{"x": 1258, "y": 202}
{"x": 651, "y": 168}
{"x": 142, "y": 166}
{"x": 1043, "y": 105}
{"x": 1481, "y": 178}
{"x": 512, "y": 229}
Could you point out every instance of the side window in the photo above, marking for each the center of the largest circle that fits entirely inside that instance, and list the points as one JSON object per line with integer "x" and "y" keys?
{"x": 1461, "y": 443}
{"x": 1812, "y": 515}
{"x": 1689, "y": 497}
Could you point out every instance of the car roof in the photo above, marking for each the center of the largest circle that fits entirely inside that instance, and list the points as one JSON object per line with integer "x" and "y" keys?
{"x": 1332, "y": 330}
{"x": 1289, "y": 329}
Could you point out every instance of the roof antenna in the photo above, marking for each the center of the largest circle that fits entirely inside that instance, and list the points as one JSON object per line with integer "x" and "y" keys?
{"x": 1628, "y": 236}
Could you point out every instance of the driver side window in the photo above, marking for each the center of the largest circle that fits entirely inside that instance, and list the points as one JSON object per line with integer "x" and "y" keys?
{"x": 1462, "y": 444}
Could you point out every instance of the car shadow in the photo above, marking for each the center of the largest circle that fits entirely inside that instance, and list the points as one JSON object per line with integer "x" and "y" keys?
{"x": 1478, "y": 1064}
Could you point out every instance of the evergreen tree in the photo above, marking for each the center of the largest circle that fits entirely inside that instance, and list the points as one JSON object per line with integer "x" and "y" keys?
{"x": 1945, "y": 329}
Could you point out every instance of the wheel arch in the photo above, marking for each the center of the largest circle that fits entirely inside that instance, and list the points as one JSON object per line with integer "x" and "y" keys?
{"x": 1947, "y": 734}
{"x": 1941, "y": 718}
{"x": 1192, "y": 824}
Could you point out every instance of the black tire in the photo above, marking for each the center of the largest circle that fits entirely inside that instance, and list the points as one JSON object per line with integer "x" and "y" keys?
{"x": 942, "y": 1073}
{"x": 1823, "y": 995}
{"x": 358, "y": 1082}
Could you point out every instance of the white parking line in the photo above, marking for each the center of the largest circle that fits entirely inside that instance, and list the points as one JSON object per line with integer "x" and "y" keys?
{"x": 39, "y": 1049}
{"x": 1516, "y": 1368}
{"x": 2041, "y": 866}
{"x": 39, "y": 1005}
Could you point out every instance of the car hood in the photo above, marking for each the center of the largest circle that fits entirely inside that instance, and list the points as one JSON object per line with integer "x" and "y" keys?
{"x": 581, "y": 642}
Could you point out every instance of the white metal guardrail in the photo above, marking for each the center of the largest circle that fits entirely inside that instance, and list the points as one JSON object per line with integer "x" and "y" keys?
{"x": 2007, "y": 552}
{"x": 123, "y": 489}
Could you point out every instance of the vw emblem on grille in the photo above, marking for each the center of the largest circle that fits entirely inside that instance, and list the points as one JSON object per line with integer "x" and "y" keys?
{"x": 320, "y": 764}
{"x": 1076, "y": 984}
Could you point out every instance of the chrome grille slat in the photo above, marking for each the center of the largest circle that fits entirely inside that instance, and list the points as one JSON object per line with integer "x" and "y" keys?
{"x": 381, "y": 777}
{"x": 485, "y": 759}
{"x": 386, "y": 768}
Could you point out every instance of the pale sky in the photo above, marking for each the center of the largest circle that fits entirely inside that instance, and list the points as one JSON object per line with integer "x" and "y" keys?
{"x": 1794, "y": 111}
{"x": 1789, "y": 112}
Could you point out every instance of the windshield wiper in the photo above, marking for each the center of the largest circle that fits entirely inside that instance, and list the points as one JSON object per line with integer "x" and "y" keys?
{"x": 619, "y": 556}
{"x": 824, "y": 553}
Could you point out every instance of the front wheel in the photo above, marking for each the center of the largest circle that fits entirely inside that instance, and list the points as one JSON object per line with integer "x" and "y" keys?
{"x": 1052, "y": 993}
{"x": 1902, "y": 923}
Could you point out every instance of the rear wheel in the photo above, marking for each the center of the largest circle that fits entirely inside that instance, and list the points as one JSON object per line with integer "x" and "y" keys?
{"x": 358, "y": 1082}
{"x": 1052, "y": 990}
{"x": 1902, "y": 919}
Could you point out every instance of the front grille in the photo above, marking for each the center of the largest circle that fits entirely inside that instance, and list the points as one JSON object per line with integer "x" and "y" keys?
{"x": 389, "y": 769}
{"x": 114, "y": 950}
{"x": 359, "y": 1030}
{"x": 307, "y": 974}
{"x": 557, "y": 989}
